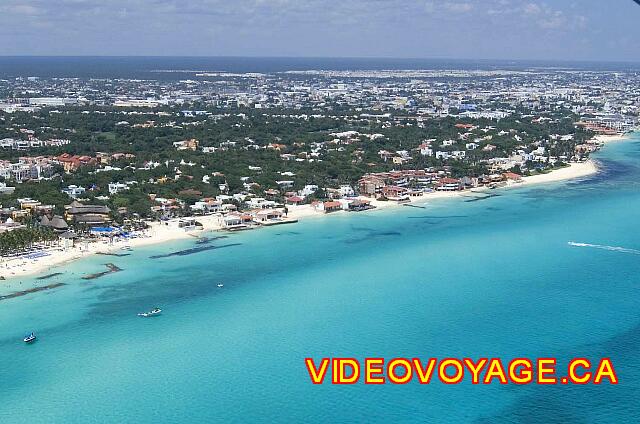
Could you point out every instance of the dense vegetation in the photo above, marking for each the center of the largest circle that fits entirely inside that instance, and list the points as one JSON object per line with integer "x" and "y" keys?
{"x": 242, "y": 137}
{"x": 21, "y": 239}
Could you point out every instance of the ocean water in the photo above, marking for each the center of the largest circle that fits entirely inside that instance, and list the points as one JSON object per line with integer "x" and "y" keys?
{"x": 147, "y": 67}
{"x": 541, "y": 271}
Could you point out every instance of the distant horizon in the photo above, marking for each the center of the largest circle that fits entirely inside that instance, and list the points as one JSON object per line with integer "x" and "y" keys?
{"x": 434, "y": 58}
{"x": 176, "y": 67}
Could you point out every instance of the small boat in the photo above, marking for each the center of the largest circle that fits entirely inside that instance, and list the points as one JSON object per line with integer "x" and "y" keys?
{"x": 30, "y": 338}
{"x": 151, "y": 313}
{"x": 220, "y": 285}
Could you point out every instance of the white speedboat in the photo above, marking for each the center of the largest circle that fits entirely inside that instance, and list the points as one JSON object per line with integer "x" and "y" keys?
{"x": 30, "y": 338}
{"x": 220, "y": 285}
{"x": 151, "y": 313}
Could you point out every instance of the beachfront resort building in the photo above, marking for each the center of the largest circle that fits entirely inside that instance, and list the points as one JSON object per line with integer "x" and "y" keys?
{"x": 267, "y": 215}
{"x": 207, "y": 206}
{"x": 371, "y": 185}
{"x": 394, "y": 193}
{"x": 237, "y": 221}
{"x": 294, "y": 200}
{"x": 56, "y": 223}
{"x": 91, "y": 215}
{"x": 449, "y": 184}
{"x": 327, "y": 207}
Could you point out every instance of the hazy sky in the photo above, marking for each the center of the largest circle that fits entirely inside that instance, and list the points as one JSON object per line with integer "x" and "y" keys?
{"x": 489, "y": 29}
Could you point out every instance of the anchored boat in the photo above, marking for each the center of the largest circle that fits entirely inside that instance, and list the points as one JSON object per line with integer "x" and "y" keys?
{"x": 151, "y": 313}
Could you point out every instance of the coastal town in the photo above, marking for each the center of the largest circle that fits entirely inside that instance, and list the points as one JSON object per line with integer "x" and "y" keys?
{"x": 356, "y": 211}
{"x": 90, "y": 165}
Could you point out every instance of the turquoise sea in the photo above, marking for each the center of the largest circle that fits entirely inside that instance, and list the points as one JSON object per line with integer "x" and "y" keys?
{"x": 460, "y": 278}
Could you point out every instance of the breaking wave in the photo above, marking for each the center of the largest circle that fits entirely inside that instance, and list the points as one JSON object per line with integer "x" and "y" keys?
{"x": 602, "y": 247}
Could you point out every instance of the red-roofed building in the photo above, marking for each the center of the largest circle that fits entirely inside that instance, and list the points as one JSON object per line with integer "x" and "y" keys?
{"x": 294, "y": 200}
{"x": 370, "y": 185}
{"x": 449, "y": 184}
{"x": 331, "y": 207}
{"x": 512, "y": 176}
{"x": 73, "y": 162}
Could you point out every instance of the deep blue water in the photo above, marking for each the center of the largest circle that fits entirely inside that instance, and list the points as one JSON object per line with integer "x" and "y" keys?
{"x": 144, "y": 67}
{"x": 492, "y": 278}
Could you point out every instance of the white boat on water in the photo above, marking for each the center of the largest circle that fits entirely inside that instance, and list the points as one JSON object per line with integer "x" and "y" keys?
{"x": 30, "y": 338}
{"x": 151, "y": 313}
{"x": 220, "y": 285}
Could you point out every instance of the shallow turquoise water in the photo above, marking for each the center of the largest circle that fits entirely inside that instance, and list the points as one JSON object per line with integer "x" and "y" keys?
{"x": 494, "y": 277}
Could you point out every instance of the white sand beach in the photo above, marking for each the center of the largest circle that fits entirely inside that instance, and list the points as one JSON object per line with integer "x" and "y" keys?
{"x": 611, "y": 138}
{"x": 157, "y": 233}
{"x": 574, "y": 170}
{"x": 169, "y": 231}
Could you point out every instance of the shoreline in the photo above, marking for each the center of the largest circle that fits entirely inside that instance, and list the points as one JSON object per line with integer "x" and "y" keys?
{"x": 159, "y": 232}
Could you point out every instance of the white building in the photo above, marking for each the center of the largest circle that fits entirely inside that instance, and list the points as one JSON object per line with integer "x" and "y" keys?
{"x": 426, "y": 150}
{"x": 308, "y": 190}
{"x": 115, "y": 188}
{"x": 74, "y": 191}
{"x": 346, "y": 191}
{"x": 6, "y": 190}
{"x": 285, "y": 184}
{"x": 207, "y": 207}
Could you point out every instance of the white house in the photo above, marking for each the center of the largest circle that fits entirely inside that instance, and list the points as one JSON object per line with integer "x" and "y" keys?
{"x": 285, "y": 184}
{"x": 346, "y": 191}
{"x": 207, "y": 207}
{"x": 74, "y": 191}
{"x": 308, "y": 190}
{"x": 6, "y": 190}
{"x": 426, "y": 150}
{"x": 115, "y": 188}
{"x": 260, "y": 203}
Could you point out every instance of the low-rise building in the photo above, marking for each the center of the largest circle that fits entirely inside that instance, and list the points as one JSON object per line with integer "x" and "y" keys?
{"x": 74, "y": 191}
{"x": 91, "y": 215}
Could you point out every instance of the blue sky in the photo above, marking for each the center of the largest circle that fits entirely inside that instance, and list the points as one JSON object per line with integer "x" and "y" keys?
{"x": 474, "y": 29}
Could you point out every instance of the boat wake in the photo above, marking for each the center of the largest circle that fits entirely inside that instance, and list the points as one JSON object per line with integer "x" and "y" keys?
{"x": 602, "y": 247}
